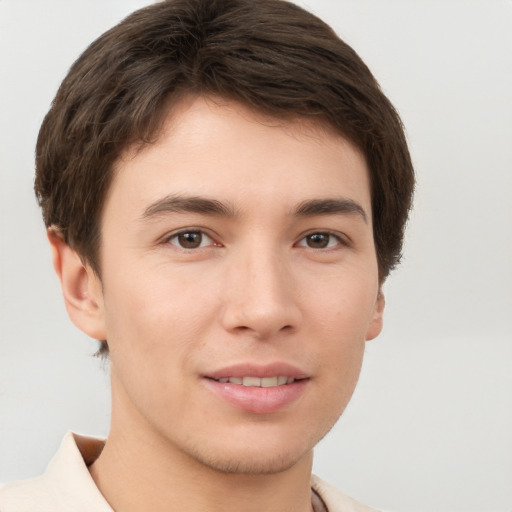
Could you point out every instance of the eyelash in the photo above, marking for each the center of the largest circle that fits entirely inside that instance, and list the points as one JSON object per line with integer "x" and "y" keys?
{"x": 190, "y": 231}
{"x": 339, "y": 239}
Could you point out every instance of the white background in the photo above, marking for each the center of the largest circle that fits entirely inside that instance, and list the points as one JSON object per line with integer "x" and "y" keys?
{"x": 430, "y": 425}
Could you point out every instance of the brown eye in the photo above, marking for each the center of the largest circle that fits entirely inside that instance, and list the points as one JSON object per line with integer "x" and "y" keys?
{"x": 190, "y": 240}
{"x": 320, "y": 240}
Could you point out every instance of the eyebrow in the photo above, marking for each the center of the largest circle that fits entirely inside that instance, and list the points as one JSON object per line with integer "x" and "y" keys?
{"x": 188, "y": 204}
{"x": 205, "y": 206}
{"x": 330, "y": 206}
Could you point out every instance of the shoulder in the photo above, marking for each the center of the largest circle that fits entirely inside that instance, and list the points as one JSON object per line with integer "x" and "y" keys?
{"x": 24, "y": 495}
{"x": 335, "y": 500}
{"x": 66, "y": 485}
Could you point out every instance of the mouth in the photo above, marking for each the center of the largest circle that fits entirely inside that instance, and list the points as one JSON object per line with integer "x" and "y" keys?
{"x": 259, "y": 389}
{"x": 258, "y": 382}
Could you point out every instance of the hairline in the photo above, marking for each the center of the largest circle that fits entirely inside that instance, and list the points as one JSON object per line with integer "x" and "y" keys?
{"x": 171, "y": 106}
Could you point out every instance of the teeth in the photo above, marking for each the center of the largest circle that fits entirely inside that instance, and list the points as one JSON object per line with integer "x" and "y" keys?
{"x": 268, "y": 382}
{"x": 251, "y": 381}
{"x": 264, "y": 382}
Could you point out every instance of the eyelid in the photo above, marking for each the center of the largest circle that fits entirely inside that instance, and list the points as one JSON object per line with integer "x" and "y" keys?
{"x": 343, "y": 239}
{"x": 166, "y": 239}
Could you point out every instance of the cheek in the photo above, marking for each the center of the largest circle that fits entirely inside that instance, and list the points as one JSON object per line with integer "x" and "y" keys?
{"x": 157, "y": 315}
{"x": 344, "y": 309}
{"x": 342, "y": 320}
{"x": 342, "y": 353}
{"x": 342, "y": 358}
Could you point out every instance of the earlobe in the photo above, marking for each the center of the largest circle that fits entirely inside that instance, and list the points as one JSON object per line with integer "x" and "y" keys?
{"x": 81, "y": 288}
{"x": 376, "y": 322}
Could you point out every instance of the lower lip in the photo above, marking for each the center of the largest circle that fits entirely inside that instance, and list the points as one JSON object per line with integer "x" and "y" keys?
{"x": 257, "y": 399}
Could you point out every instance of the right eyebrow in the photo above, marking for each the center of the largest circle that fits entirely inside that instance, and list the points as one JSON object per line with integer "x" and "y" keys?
{"x": 188, "y": 204}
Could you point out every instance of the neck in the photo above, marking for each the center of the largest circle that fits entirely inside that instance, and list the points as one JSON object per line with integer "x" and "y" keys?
{"x": 139, "y": 470}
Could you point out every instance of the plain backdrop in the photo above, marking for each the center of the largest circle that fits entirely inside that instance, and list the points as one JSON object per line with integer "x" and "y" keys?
{"x": 430, "y": 424}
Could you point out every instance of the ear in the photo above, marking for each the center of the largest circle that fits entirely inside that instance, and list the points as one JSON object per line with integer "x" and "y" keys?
{"x": 81, "y": 287}
{"x": 375, "y": 326}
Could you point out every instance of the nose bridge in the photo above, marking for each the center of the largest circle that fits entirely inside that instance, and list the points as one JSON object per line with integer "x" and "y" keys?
{"x": 260, "y": 296}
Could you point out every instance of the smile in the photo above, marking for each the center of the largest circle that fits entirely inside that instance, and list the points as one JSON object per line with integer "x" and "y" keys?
{"x": 263, "y": 382}
{"x": 255, "y": 394}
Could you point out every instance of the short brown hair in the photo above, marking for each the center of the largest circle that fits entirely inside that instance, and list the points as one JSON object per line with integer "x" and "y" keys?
{"x": 270, "y": 55}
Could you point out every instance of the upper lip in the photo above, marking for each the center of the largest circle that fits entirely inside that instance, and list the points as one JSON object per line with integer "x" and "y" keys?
{"x": 258, "y": 370}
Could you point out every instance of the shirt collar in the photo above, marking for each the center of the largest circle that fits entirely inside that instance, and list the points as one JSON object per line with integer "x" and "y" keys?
{"x": 67, "y": 484}
{"x": 67, "y": 476}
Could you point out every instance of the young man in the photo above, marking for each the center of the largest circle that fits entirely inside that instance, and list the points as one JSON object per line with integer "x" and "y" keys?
{"x": 225, "y": 189}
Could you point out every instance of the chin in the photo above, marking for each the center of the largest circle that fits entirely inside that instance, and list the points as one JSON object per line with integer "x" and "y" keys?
{"x": 252, "y": 464}
{"x": 257, "y": 454}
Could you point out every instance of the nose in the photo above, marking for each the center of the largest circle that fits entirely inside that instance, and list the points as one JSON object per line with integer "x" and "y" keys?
{"x": 261, "y": 296}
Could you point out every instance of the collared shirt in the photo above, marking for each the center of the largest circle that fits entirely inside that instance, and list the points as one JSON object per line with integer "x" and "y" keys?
{"x": 67, "y": 486}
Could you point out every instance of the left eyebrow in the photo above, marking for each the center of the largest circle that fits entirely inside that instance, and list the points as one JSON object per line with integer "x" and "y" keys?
{"x": 330, "y": 206}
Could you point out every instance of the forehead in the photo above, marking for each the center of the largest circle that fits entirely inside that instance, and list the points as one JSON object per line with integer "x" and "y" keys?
{"x": 221, "y": 148}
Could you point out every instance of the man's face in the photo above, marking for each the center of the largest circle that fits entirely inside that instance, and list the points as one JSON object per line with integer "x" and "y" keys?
{"x": 239, "y": 284}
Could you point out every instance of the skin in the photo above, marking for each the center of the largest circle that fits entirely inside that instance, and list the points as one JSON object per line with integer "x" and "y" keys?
{"x": 257, "y": 289}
